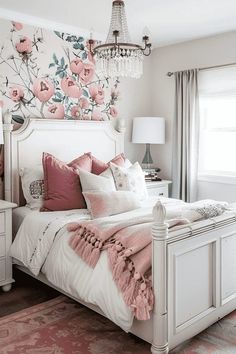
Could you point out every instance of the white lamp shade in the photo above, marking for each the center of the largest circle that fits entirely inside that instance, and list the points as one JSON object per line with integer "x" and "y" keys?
{"x": 1, "y": 128}
{"x": 148, "y": 130}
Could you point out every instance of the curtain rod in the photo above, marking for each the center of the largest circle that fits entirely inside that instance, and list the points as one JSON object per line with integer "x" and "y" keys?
{"x": 170, "y": 73}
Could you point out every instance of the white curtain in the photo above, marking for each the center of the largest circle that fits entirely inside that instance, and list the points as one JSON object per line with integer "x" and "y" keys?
{"x": 185, "y": 136}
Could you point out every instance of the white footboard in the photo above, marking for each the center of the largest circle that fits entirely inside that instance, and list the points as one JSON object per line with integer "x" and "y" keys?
{"x": 194, "y": 278}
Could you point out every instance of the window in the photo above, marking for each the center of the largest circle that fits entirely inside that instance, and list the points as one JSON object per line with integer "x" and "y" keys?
{"x": 217, "y": 143}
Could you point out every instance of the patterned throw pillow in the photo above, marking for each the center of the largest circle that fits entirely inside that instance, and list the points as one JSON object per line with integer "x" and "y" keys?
{"x": 130, "y": 179}
{"x": 33, "y": 186}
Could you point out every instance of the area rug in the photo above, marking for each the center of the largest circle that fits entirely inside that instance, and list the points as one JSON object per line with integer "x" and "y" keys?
{"x": 62, "y": 326}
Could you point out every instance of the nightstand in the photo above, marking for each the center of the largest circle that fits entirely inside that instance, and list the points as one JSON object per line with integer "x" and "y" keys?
{"x": 158, "y": 188}
{"x": 5, "y": 243}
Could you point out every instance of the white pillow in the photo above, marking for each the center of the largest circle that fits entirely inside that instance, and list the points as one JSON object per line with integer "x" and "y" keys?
{"x": 91, "y": 182}
{"x": 32, "y": 182}
{"x": 130, "y": 179}
{"x": 101, "y": 204}
{"x": 127, "y": 163}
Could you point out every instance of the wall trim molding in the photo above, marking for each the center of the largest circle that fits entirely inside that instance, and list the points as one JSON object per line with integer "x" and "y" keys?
{"x": 47, "y": 24}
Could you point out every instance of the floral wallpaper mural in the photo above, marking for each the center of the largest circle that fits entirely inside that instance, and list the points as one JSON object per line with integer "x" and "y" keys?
{"x": 51, "y": 75}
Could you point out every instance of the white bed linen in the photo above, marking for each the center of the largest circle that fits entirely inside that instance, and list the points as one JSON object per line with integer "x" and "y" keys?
{"x": 64, "y": 268}
{"x": 41, "y": 244}
{"x": 18, "y": 215}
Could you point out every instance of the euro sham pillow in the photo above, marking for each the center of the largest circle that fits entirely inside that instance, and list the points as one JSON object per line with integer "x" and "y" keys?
{"x": 32, "y": 186}
{"x": 101, "y": 204}
{"x": 99, "y": 166}
{"x": 130, "y": 179}
{"x": 62, "y": 188}
{"x": 92, "y": 182}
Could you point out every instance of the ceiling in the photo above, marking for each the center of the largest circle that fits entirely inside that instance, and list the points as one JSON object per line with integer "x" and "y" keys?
{"x": 169, "y": 21}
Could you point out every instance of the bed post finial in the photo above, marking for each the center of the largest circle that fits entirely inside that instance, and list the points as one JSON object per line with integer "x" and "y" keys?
{"x": 7, "y": 128}
{"x": 159, "y": 213}
{"x": 159, "y": 280}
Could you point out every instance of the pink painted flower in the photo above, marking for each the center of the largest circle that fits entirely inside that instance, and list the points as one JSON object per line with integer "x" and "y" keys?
{"x": 1, "y": 103}
{"x": 86, "y": 117}
{"x": 76, "y": 66}
{"x": 113, "y": 111}
{"x": 56, "y": 111}
{"x": 84, "y": 103}
{"x": 97, "y": 93}
{"x": 24, "y": 46}
{"x": 16, "y": 93}
{"x": 96, "y": 115}
{"x": 17, "y": 25}
{"x": 70, "y": 87}
{"x": 43, "y": 89}
{"x": 87, "y": 73}
{"x": 75, "y": 112}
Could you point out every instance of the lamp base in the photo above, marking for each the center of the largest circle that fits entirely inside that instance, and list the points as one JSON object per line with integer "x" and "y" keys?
{"x": 147, "y": 160}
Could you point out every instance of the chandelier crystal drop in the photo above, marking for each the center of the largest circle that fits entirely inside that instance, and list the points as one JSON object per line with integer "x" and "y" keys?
{"x": 119, "y": 56}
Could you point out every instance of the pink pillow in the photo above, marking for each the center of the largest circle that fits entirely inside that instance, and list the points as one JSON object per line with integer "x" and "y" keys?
{"x": 84, "y": 162}
{"x": 99, "y": 166}
{"x": 62, "y": 188}
{"x": 102, "y": 204}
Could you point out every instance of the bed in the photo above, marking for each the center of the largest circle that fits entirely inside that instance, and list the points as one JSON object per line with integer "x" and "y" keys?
{"x": 193, "y": 268}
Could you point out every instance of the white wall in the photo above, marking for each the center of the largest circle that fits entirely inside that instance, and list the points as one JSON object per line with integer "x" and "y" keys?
{"x": 210, "y": 51}
{"x": 135, "y": 101}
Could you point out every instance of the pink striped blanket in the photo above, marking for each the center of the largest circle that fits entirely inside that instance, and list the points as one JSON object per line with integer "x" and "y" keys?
{"x": 127, "y": 239}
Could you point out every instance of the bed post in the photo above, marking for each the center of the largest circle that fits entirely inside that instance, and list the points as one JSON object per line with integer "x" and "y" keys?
{"x": 159, "y": 280}
{"x": 7, "y": 129}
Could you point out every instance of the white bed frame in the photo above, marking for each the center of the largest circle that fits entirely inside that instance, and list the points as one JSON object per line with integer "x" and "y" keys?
{"x": 194, "y": 269}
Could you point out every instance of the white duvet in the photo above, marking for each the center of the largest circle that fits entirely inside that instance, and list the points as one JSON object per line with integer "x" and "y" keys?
{"x": 41, "y": 244}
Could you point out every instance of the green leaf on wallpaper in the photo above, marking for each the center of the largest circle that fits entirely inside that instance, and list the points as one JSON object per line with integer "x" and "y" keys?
{"x": 59, "y": 34}
{"x": 76, "y": 46}
{"x": 51, "y": 65}
{"x": 62, "y": 61}
{"x": 80, "y": 39}
{"x": 55, "y": 59}
{"x": 85, "y": 93}
{"x": 62, "y": 74}
{"x": 18, "y": 119}
{"x": 56, "y": 99}
{"x": 71, "y": 38}
{"x": 58, "y": 94}
{"x": 84, "y": 55}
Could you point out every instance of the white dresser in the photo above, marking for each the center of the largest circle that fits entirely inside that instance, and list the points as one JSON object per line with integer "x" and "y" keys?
{"x": 158, "y": 188}
{"x": 5, "y": 243}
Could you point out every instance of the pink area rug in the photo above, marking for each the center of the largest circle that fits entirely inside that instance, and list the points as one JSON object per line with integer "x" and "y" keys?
{"x": 61, "y": 326}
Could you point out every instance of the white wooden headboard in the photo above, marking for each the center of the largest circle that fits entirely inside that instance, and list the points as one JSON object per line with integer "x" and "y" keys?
{"x": 66, "y": 139}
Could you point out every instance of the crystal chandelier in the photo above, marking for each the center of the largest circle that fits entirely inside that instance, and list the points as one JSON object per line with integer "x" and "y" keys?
{"x": 118, "y": 56}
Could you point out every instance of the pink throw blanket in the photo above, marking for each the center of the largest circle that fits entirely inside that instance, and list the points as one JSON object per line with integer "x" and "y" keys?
{"x": 129, "y": 252}
{"x": 127, "y": 238}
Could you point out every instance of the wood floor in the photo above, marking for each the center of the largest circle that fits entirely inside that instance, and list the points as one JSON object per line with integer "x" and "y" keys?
{"x": 25, "y": 292}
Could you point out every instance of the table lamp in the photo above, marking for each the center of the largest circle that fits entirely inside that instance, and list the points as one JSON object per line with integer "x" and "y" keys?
{"x": 148, "y": 130}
